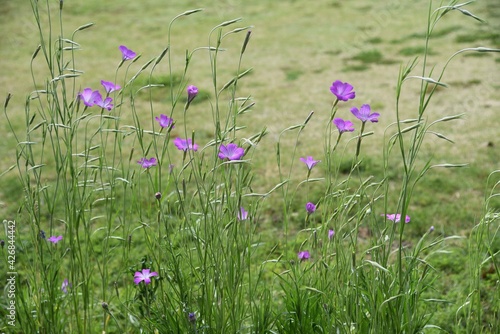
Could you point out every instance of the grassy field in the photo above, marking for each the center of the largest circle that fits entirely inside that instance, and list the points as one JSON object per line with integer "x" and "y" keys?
{"x": 297, "y": 49}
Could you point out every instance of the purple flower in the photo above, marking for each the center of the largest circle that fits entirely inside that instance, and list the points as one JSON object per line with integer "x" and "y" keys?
{"x": 231, "y": 152}
{"x": 192, "y": 317}
{"x": 144, "y": 275}
{"x": 331, "y": 234}
{"x": 192, "y": 91}
{"x": 363, "y": 114}
{"x": 304, "y": 255}
{"x": 343, "y": 91}
{"x": 310, "y": 162}
{"x": 185, "y": 144}
{"x": 343, "y": 125}
{"x": 242, "y": 214}
{"x": 164, "y": 121}
{"x": 127, "y": 54}
{"x": 88, "y": 96}
{"x": 147, "y": 163}
{"x": 310, "y": 207}
{"x": 109, "y": 87}
{"x": 396, "y": 217}
{"x": 65, "y": 285}
{"x": 55, "y": 239}
{"x": 105, "y": 104}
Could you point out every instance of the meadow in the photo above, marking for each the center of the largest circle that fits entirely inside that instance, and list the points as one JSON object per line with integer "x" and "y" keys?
{"x": 281, "y": 219}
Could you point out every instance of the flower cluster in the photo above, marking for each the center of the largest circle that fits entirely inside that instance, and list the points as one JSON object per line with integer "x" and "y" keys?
{"x": 344, "y": 92}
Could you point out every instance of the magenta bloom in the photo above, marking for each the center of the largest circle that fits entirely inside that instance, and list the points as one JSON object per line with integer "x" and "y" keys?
{"x": 310, "y": 207}
{"x": 55, "y": 239}
{"x": 331, "y": 234}
{"x": 304, "y": 255}
{"x": 396, "y": 217}
{"x": 164, "y": 121}
{"x": 88, "y": 96}
{"x": 144, "y": 275}
{"x": 109, "y": 87}
{"x": 192, "y": 91}
{"x": 231, "y": 152}
{"x": 343, "y": 125}
{"x": 147, "y": 163}
{"x": 65, "y": 285}
{"x": 310, "y": 162}
{"x": 105, "y": 104}
{"x": 185, "y": 144}
{"x": 242, "y": 214}
{"x": 127, "y": 54}
{"x": 363, "y": 114}
{"x": 343, "y": 91}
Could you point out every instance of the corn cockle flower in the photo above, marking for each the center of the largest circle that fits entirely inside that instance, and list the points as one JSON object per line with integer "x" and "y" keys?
{"x": 310, "y": 162}
{"x": 342, "y": 90}
{"x": 147, "y": 163}
{"x": 109, "y": 87}
{"x": 185, "y": 144}
{"x": 396, "y": 217}
{"x": 144, "y": 275}
{"x": 304, "y": 255}
{"x": 242, "y": 214}
{"x": 88, "y": 96}
{"x": 65, "y": 285}
{"x": 105, "y": 104}
{"x": 164, "y": 121}
{"x": 331, "y": 234}
{"x": 231, "y": 152}
{"x": 55, "y": 239}
{"x": 343, "y": 125}
{"x": 127, "y": 54}
{"x": 363, "y": 114}
{"x": 310, "y": 207}
{"x": 192, "y": 91}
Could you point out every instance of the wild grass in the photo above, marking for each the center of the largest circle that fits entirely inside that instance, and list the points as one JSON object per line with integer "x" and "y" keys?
{"x": 73, "y": 172}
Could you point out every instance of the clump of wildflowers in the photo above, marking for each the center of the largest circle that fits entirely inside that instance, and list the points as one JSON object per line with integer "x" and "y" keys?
{"x": 147, "y": 163}
{"x": 231, "y": 152}
{"x": 144, "y": 276}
